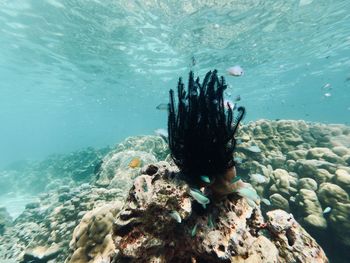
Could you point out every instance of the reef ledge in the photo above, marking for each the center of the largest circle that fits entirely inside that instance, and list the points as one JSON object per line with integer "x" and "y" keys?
{"x": 146, "y": 230}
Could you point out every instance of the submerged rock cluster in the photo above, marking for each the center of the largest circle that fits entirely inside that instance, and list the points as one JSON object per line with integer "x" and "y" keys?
{"x": 41, "y": 176}
{"x": 115, "y": 170}
{"x": 51, "y": 220}
{"x": 301, "y": 168}
{"x": 306, "y": 171}
{"x": 92, "y": 238}
{"x": 229, "y": 231}
{"x": 47, "y": 224}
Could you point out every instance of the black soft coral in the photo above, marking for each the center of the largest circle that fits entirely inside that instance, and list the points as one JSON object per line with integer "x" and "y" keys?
{"x": 201, "y": 129}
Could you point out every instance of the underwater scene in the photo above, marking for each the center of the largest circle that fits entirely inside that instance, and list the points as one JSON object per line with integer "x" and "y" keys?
{"x": 174, "y": 131}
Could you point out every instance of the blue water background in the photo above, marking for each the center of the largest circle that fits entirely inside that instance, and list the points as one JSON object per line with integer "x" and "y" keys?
{"x": 91, "y": 72}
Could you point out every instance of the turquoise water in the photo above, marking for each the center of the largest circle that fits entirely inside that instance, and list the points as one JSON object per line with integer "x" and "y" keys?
{"x": 89, "y": 73}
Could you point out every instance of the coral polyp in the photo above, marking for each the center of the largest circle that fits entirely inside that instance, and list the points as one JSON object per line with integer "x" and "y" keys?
{"x": 202, "y": 128}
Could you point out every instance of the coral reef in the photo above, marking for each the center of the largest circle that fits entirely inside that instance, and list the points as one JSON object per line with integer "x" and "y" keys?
{"x": 36, "y": 177}
{"x": 52, "y": 219}
{"x": 41, "y": 254}
{"x": 230, "y": 231}
{"x": 115, "y": 168}
{"x": 92, "y": 238}
{"x": 302, "y": 168}
{"x": 154, "y": 145}
{"x": 5, "y": 220}
{"x": 306, "y": 166}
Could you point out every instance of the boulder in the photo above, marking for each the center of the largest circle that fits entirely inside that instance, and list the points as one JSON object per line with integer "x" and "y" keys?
{"x": 322, "y": 176}
{"x": 117, "y": 165}
{"x": 346, "y": 159}
{"x": 154, "y": 145}
{"x": 291, "y": 239}
{"x": 341, "y": 150}
{"x": 308, "y": 168}
{"x": 339, "y": 220}
{"x": 5, "y": 220}
{"x": 329, "y": 194}
{"x": 310, "y": 209}
{"x": 317, "y": 153}
{"x": 40, "y": 254}
{"x": 161, "y": 222}
{"x": 281, "y": 179}
{"x": 279, "y": 202}
{"x": 307, "y": 183}
{"x": 92, "y": 238}
{"x": 342, "y": 178}
{"x": 297, "y": 154}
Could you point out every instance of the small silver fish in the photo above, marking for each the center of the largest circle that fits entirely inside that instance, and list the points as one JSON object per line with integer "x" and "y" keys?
{"x": 327, "y": 86}
{"x": 238, "y": 160}
{"x": 229, "y": 104}
{"x": 199, "y": 197}
{"x": 251, "y": 203}
{"x": 327, "y": 210}
{"x": 254, "y": 149}
{"x": 205, "y": 179}
{"x": 193, "y": 61}
{"x": 210, "y": 221}
{"x": 162, "y": 133}
{"x": 327, "y": 94}
{"x": 235, "y": 71}
{"x": 228, "y": 94}
{"x": 258, "y": 178}
{"x": 238, "y": 98}
{"x": 174, "y": 214}
{"x": 248, "y": 193}
{"x": 236, "y": 179}
{"x": 194, "y": 93}
{"x": 266, "y": 201}
{"x": 194, "y": 230}
{"x": 163, "y": 106}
